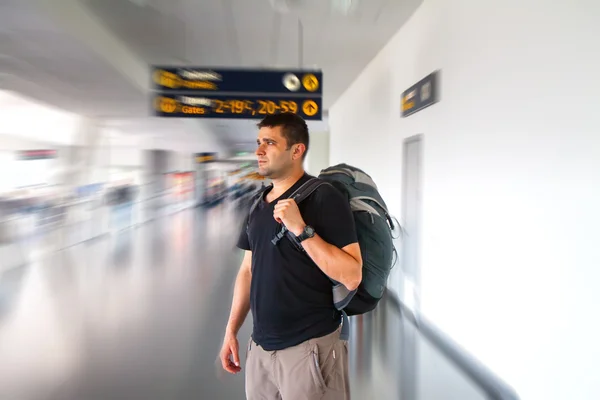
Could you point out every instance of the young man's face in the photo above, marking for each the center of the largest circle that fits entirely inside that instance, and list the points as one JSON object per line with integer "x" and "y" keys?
{"x": 274, "y": 156}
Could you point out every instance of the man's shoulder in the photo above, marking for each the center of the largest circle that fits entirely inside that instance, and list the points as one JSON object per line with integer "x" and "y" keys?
{"x": 327, "y": 192}
{"x": 324, "y": 197}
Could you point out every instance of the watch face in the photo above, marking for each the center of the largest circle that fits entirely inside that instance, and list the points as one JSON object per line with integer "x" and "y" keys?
{"x": 310, "y": 231}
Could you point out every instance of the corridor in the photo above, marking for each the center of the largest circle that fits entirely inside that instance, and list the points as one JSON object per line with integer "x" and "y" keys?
{"x": 140, "y": 315}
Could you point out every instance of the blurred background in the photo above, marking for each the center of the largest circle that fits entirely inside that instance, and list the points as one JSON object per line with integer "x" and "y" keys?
{"x": 127, "y": 165}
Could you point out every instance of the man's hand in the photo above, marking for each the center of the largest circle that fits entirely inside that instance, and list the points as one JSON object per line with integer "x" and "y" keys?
{"x": 230, "y": 349}
{"x": 287, "y": 212}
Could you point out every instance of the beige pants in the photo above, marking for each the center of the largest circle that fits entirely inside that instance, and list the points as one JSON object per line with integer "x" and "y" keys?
{"x": 315, "y": 369}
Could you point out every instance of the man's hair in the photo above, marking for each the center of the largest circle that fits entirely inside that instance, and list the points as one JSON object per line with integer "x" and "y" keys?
{"x": 293, "y": 128}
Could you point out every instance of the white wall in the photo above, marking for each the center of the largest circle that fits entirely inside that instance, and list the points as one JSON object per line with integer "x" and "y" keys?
{"x": 24, "y": 118}
{"x": 14, "y": 143}
{"x": 179, "y": 135}
{"x": 125, "y": 156}
{"x": 511, "y": 184}
{"x": 30, "y": 172}
{"x": 181, "y": 161}
{"x": 317, "y": 157}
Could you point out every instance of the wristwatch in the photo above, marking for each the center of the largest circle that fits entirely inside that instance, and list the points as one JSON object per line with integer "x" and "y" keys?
{"x": 307, "y": 233}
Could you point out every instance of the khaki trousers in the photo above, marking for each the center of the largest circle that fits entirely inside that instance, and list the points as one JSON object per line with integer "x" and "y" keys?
{"x": 315, "y": 369}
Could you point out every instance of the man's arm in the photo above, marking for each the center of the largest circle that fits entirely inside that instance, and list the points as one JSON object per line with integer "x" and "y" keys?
{"x": 343, "y": 265}
{"x": 230, "y": 353}
{"x": 241, "y": 295}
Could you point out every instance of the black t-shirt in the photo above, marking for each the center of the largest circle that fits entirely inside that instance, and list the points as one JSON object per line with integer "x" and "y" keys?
{"x": 290, "y": 297}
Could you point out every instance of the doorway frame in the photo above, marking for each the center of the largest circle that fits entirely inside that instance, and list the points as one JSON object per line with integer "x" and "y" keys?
{"x": 416, "y": 280}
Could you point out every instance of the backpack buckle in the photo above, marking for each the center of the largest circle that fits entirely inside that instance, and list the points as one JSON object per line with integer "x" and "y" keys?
{"x": 279, "y": 236}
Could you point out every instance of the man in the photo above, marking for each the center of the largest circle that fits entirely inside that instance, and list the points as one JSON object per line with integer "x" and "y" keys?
{"x": 295, "y": 351}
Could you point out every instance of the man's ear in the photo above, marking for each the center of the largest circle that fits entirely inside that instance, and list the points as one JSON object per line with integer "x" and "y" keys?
{"x": 299, "y": 150}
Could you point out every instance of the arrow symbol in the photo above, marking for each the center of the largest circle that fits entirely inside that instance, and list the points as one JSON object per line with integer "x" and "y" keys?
{"x": 310, "y": 82}
{"x": 310, "y": 108}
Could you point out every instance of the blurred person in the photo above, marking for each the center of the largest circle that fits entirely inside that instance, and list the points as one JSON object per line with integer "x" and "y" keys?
{"x": 295, "y": 350}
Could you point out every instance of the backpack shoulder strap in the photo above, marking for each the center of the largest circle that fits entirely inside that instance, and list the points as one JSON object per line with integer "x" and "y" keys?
{"x": 256, "y": 202}
{"x": 307, "y": 189}
{"x": 299, "y": 195}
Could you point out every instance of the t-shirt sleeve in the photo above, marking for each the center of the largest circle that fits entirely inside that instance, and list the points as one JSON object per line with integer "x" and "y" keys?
{"x": 334, "y": 220}
{"x": 243, "y": 241}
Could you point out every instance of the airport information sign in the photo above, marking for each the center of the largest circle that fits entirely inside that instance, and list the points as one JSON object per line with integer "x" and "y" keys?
{"x": 196, "y": 92}
{"x": 230, "y": 106}
{"x": 421, "y": 95}
{"x": 202, "y": 158}
{"x": 171, "y": 79}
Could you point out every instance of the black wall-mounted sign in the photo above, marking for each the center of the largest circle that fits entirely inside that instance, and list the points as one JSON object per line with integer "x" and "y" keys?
{"x": 198, "y": 92}
{"x": 230, "y": 106}
{"x": 219, "y": 80}
{"x": 421, "y": 95}
{"x": 37, "y": 154}
{"x": 202, "y": 158}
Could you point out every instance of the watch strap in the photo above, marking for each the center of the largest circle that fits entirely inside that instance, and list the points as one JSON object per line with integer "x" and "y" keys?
{"x": 305, "y": 235}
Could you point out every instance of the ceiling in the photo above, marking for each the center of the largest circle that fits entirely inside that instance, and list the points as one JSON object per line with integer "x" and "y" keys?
{"x": 90, "y": 56}
{"x": 41, "y": 60}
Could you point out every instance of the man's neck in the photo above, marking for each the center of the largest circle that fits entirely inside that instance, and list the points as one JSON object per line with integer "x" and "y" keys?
{"x": 281, "y": 185}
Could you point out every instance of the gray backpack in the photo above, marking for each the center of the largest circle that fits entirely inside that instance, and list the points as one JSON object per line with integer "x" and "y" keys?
{"x": 374, "y": 227}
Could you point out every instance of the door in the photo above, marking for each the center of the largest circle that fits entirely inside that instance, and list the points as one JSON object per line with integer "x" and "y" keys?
{"x": 411, "y": 217}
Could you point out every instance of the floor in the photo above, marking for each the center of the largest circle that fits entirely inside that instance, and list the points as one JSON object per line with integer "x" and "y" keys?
{"x": 140, "y": 315}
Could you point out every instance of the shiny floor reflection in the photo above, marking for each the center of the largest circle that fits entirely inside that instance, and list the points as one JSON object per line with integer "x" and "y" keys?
{"x": 140, "y": 315}
{"x": 135, "y": 315}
